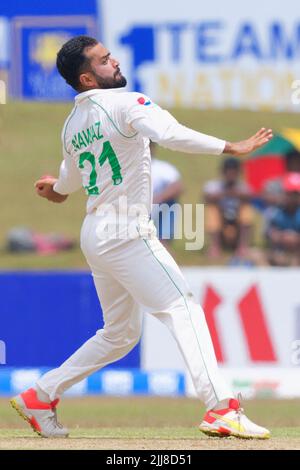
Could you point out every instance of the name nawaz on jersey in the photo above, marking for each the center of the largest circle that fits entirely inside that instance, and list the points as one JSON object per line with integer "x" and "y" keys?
{"x": 86, "y": 137}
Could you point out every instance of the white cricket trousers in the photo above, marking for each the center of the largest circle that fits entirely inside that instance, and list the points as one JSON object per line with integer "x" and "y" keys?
{"x": 132, "y": 276}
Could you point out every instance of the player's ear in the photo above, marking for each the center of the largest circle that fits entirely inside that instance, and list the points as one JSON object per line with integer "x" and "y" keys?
{"x": 87, "y": 80}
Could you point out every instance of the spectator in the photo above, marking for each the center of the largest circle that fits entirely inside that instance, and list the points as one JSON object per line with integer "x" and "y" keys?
{"x": 229, "y": 215}
{"x": 273, "y": 191}
{"x": 283, "y": 235}
{"x": 167, "y": 187}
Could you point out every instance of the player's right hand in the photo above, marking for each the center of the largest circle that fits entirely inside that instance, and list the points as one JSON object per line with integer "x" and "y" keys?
{"x": 244, "y": 147}
{"x": 44, "y": 188}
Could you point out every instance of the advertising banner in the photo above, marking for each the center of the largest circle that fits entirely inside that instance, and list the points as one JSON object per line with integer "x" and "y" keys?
{"x": 253, "y": 317}
{"x": 36, "y": 41}
{"x": 207, "y": 54}
{"x": 46, "y": 316}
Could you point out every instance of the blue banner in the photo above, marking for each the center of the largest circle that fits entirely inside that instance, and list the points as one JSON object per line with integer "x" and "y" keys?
{"x": 44, "y": 7}
{"x": 124, "y": 382}
{"x": 36, "y": 41}
{"x": 31, "y": 33}
{"x": 45, "y": 317}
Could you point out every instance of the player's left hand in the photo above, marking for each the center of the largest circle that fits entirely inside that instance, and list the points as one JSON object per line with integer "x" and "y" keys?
{"x": 44, "y": 188}
{"x": 249, "y": 145}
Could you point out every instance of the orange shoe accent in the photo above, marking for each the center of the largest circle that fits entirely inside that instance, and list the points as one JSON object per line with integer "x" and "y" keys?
{"x": 54, "y": 403}
{"x": 224, "y": 431}
{"x": 33, "y": 422}
{"x": 233, "y": 405}
{"x": 26, "y": 418}
{"x": 33, "y": 403}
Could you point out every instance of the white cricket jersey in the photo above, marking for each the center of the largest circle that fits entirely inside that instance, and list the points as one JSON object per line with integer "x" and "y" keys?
{"x": 106, "y": 146}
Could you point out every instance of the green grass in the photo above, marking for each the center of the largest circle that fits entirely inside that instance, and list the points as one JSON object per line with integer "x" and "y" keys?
{"x": 155, "y": 412}
{"x": 141, "y": 433}
{"x": 30, "y": 146}
{"x": 149, "y": 423}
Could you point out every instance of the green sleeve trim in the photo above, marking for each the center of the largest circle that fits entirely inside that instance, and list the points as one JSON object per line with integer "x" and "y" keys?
{"x": 113, "y": 123}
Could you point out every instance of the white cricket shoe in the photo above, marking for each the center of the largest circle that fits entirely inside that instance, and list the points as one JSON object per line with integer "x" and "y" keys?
{"x": 40, "y": 415}
{"x": 232, "y": 421}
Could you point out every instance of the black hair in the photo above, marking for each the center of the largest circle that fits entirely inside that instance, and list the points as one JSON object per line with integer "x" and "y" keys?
{"x": 71, "y": 59}
{"x": 292, "y": 154}
{"x": 231, "y": 163}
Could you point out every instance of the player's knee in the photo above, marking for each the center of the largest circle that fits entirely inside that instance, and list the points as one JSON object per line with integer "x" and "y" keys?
{"x": 134, "y": 332}
{"x": 126, "y": 337}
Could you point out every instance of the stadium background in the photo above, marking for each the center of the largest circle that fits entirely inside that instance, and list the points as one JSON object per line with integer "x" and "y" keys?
{"x": 223, "y": 71}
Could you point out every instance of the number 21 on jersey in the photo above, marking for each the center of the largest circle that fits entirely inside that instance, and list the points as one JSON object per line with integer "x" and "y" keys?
{"x": 107, "y": 154}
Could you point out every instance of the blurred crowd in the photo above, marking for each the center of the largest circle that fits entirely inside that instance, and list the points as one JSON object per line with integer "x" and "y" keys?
{"x": 262, "y": 234}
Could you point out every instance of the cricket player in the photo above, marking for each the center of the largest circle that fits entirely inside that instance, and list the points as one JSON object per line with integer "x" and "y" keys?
{"x": 105, "y": 143}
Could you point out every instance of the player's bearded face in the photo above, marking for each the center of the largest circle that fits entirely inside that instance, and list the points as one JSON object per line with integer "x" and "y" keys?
{"x": 117, "y": 80}
{"x": 104, "y": 68}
